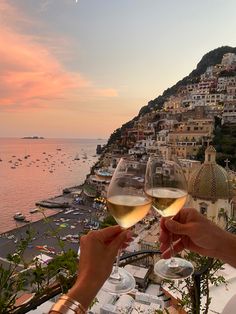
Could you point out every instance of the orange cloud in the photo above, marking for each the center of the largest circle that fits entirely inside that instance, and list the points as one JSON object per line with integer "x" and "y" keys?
{"x": 31, "y": 76}
{"x": 108, "y": 92}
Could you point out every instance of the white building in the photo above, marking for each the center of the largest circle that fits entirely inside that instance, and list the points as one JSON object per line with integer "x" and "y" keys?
{"x": 229, "y": 113}
{"x": 206, "y": 99}
{"x": 209, "y": 73}
{"x": 228, "y": 59}
{"x": 231, "y": 89}
{"x": 141, "y": 147}
{"x": 162, "y": 137}
{"x": 224, "y": 81}
{"x": 133, "y": 303}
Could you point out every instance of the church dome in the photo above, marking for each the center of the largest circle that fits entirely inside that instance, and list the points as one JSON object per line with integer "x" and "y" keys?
{"x": 210, "y": 181}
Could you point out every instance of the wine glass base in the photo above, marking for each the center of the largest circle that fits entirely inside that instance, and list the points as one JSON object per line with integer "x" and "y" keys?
{"x": 182, "y": 270}
{"x": 123, "y": 285}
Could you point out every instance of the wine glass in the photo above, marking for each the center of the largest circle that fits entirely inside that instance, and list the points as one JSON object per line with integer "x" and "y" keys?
{"x": 128, "y": 204}
{"x": 166, "y": 184}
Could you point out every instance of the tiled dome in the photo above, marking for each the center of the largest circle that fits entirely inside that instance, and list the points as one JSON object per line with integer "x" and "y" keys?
{"x": 210, "y": 181}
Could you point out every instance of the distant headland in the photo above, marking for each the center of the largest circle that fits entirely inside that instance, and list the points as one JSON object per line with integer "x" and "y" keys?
{"x": 33, "y": 138}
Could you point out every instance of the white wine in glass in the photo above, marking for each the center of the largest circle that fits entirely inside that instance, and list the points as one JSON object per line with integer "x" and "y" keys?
{"x": 167, "y": 201}
{"x": 166, "y": 184}
{"x": 128, "y": 209}
{"x": 128, "y": 204}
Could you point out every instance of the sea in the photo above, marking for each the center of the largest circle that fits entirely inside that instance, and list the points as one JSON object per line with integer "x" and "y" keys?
{"x": 37, "y": 169}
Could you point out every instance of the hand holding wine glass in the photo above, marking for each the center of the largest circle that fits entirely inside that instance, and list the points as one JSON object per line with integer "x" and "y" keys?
{"x": 165, "y": 183}
{"x": 128, "y": 204}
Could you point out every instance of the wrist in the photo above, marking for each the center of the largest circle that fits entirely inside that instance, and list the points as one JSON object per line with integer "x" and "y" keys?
{"x": 84, "y": 290}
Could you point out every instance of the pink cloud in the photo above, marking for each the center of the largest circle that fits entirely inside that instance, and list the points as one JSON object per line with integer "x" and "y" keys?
{"x": 31, "y": 76}
{"x": 107, "y": 92}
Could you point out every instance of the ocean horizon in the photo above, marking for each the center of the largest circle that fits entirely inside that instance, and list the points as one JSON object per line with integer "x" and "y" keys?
{"x": 54, "y": 138}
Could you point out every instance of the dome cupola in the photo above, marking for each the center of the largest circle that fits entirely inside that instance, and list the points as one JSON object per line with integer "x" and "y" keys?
{"x": 210, "y": 181}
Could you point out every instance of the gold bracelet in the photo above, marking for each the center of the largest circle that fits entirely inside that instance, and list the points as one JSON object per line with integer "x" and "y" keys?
{"x": 61, "y": 308}
{"x": 67, "y": 305}
{"x": 69, "y": 299}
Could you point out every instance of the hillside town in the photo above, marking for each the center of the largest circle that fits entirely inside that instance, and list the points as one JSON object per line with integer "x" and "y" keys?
{"x": 185, "y": 125}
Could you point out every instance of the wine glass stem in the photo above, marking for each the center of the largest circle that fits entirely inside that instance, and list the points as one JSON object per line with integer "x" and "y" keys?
{"x": 115, "y": 272}
{"x": 172, "y": 262}
{"x": 171, "y": 246}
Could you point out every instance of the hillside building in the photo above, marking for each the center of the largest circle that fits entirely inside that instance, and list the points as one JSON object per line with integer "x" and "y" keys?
{"x": 229, "y": 61}
{"x": 210, "y": 189}
{"x": 229, "y": 113}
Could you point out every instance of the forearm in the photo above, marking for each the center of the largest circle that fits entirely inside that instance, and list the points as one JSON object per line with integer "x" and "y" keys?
{"x": 83, "y": 291}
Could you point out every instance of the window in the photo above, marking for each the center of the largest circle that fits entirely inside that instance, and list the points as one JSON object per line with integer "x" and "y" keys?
{"x": 203, "y": 208}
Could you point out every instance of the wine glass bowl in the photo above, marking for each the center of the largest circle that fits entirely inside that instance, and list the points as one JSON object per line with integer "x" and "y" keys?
{"x": 128, "y": 204}
{"x": 166, "y": 184}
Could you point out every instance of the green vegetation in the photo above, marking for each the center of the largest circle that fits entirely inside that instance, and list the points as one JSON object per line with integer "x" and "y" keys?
{"x": 225, "y": 144}
{"x": 35, "y": 277}
{"x": 116, "y": 135}
{"x": 188, "y": 288}
{"x": 108, "y": 221}
{"x": 89, "y": 190}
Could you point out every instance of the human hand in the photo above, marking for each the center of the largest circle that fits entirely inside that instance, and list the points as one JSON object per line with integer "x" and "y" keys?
{"x": 192, "y": 231}
{"x": 98, "y": 250}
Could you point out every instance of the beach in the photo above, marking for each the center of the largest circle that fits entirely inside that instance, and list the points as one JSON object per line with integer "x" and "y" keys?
{"x": 67, "y": 224}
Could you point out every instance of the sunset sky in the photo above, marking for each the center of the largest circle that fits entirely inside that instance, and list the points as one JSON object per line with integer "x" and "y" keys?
{"x": 80, "y": 69}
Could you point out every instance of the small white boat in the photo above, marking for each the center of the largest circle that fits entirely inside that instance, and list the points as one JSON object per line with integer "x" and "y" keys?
{"x": 34, "y": 210}
{"x": 19, "y": 216}
{"x": 77, "y": 157}
{"x": 85, "y": 156}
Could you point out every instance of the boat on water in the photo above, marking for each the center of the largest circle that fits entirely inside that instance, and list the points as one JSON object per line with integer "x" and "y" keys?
{"x": 34, "y": 210}
{"x": 77, "y": 157}
{"x": 85, "y": 156}
{"x": 19, "y": 216}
